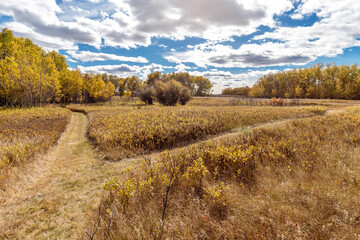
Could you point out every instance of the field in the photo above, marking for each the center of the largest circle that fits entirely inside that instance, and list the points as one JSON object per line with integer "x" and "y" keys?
{"x": 24, "y": 133}
{"x": 124, "y": 131}
{"x": 196, "y": 172}
{"x": 296, "y": 181}
{"x": 224, "y": 100}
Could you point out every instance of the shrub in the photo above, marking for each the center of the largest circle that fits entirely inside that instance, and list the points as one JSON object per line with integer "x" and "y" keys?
{"x": 185, "y": 96}
{"x": 147, "y": 95}
{"x": 168, "y": 93}
{"x": 277, "y": 102}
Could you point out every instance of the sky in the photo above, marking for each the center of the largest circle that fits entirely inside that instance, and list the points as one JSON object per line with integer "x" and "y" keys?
{"x": 231, "y": 42}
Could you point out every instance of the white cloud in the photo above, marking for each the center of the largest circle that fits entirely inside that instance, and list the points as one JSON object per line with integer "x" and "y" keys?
{"x": 182, "y": 68}
{"x": 38, "y": 20}
{"x": 224, "y": 79}
{"x": 86, "y": 56}
{"x": 69, "y": 59}
{"x": 338, "y": 29}
{"x": 125, "y": 70}
{"x": 247, "y": 55}
{"x": 215, "y": 20}
{"x": 47, "y": 42}
{"x": 132, "y": 23}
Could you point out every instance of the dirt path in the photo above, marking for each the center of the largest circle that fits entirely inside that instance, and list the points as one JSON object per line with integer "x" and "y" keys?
{"x": 52, "y": 200}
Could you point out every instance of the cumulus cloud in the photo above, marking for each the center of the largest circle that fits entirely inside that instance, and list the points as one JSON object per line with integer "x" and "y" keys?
{"x": 223, "y": 79}
{"x": 247, "y": 55}
{"x": 124, "y": 70}
{"x": 182, "y": 68}
{"x": 38, "y": 20}
{"x": 86, "y": 56}
{"x": 215, "y": 20}
{"x": 132, "y": 23}
{"x": 337, "y": 29}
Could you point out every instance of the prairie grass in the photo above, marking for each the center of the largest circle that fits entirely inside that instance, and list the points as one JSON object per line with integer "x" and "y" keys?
{"x": 27, "y": 132}
{"x": 248, "y": 101}
{"x": 125, "y": 131}
{"x": 296, "y": 181}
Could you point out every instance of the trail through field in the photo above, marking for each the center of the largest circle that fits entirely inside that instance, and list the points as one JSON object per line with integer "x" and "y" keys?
{"x": 58, "y": 194}
{"x": 235, "y": 132}
{"x": 53, "y": 199}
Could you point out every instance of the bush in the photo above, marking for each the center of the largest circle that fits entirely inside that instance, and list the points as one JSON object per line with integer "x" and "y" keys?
{"x": 147, "y": 95}
{"x": 168, "y": 93}
{"x": 277, "y": 102}
{"x": 185, "y": 96}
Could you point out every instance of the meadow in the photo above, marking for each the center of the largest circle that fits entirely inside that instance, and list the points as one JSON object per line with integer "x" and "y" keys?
{"x": 124, "y": 131}
{"x": 298, "y": 180}
{"x": 197, "y": 172}
{"x": 25, "y": 133}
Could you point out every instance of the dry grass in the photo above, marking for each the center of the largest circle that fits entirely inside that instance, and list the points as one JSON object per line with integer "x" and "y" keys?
{"x": 121, "y": 132}
{"x": 53, "y": 197}
{"x": 225, "y": 100}
{"x": 297, "y": 181}
{"x": 24, "y": 133}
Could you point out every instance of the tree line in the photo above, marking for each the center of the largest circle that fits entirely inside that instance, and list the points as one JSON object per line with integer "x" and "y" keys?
{"x": 31, "y": 76}
{"x": 317, "y": 81}
{"x": 237, "y": 91}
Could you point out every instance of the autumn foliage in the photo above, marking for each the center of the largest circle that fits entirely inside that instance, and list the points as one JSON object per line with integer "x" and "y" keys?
{"x": 31, "y": 76}
{"x": 317, "y": 81}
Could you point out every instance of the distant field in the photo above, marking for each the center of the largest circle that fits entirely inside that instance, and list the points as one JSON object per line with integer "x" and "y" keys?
{"x": 228, "y": 100}
{"x": 298, "y": 180}
{"x": 124, "y": 131}
{"x": 27, "y": 132}
{"x": 233, "y": 100}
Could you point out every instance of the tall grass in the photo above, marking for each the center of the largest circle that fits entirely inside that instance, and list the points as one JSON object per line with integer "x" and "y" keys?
{"x": 122, "y": 132}
{"x": 297, "y": 181}
{"x": 27, "y": 132}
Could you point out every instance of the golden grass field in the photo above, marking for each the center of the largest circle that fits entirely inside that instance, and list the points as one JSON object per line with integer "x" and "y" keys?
{"x": 209, "y": 170}
{"x": 124, "y": 131}
{"x": 27, "y": 132}
{"x": 296, "y": 181}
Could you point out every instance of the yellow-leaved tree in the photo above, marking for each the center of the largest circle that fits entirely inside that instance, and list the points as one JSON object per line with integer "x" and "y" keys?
{"x": 31, "y": 76}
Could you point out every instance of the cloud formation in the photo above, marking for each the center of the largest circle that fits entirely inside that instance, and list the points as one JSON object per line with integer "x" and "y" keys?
{"x": 132, "y": 23}
{"x": 86, "y": 56}
{"x": 336, "y": 30}
{"x": 125, "y": 70}
{"x": 224, "y": 79}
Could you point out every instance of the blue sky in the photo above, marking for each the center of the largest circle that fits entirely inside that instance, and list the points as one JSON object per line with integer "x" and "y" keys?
{"x": 231, "y": 42}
